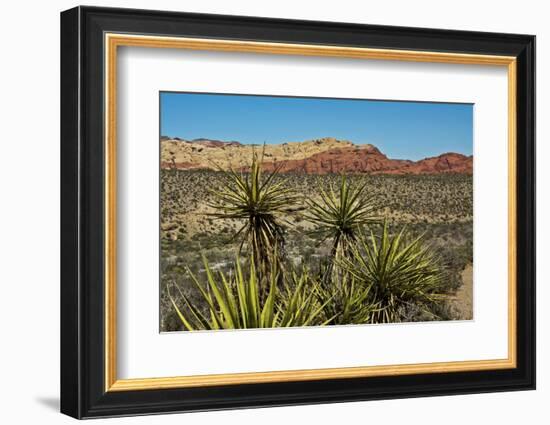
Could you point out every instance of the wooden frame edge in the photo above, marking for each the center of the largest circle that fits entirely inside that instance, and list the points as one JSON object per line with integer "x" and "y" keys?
{"x": 512, "y": 212}
{"x": 114, "y": 40}
{"x": 306, "y": 375}
{"x": 110, "y": 213}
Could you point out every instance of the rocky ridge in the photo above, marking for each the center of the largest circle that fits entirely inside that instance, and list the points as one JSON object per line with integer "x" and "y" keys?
{"x": 318, "y": 156}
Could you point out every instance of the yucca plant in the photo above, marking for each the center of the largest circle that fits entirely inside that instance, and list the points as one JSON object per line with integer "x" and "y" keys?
{"x": 401, "y": 272}
{"x": 348, "y": 302}
{"x": 301, "y": 301}
{"x": 340, "y": 214}
{"x": 263, "y": 203}
{"x": 234, "y": 302}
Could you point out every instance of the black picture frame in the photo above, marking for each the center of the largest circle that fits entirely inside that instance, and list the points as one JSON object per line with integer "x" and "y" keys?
{"x": 83, "y": 392}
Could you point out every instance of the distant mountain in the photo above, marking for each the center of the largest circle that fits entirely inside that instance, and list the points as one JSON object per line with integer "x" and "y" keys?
{"x": 445, "y": 163}
{"x": 318, "y": 156}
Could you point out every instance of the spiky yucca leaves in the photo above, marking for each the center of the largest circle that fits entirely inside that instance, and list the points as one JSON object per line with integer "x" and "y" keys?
{"x": 339, "y": 215}
{"x": 348, "y": 302}
{"x": 401, "y": 273}
{"x": 263, "y": 203}
{"x": 300, "y": 303}
{"x": 234, "y": 302}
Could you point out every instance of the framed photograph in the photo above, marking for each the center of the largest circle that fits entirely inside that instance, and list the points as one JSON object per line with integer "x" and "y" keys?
{"x": 261, "y": 212}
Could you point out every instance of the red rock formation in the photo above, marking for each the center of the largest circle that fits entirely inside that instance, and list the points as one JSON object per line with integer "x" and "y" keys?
{"x": 350, "y": 160}
{"x": 372, "y": 161}
{"x": 445, "y": 163}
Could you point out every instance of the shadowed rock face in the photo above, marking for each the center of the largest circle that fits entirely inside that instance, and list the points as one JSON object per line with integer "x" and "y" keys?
{"x": 214, "y": 143}
{"x": 319, "y": 156}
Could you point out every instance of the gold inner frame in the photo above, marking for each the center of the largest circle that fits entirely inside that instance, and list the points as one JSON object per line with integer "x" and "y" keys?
{"x": 113, "y": 41}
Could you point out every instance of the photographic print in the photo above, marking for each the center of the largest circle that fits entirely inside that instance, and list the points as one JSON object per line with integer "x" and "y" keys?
{"x": 292, "y": 211}
{"x": 324, "y": 223}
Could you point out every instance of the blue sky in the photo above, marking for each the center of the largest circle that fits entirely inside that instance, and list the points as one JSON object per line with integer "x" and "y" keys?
{"x": 405, "y": 130}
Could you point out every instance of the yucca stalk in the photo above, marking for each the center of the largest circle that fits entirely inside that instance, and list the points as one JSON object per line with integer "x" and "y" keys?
{"x": 340, "y": 214}
{"x": 234, "y": 302}
{"x": 401, "y": 273}
{"x": 263, "y": 203}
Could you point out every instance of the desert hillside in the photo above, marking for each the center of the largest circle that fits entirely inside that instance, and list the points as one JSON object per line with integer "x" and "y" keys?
{"x": 319, "y": 156}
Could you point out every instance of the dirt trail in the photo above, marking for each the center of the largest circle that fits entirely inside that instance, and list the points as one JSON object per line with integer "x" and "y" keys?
{"x": 463, "y": 301}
